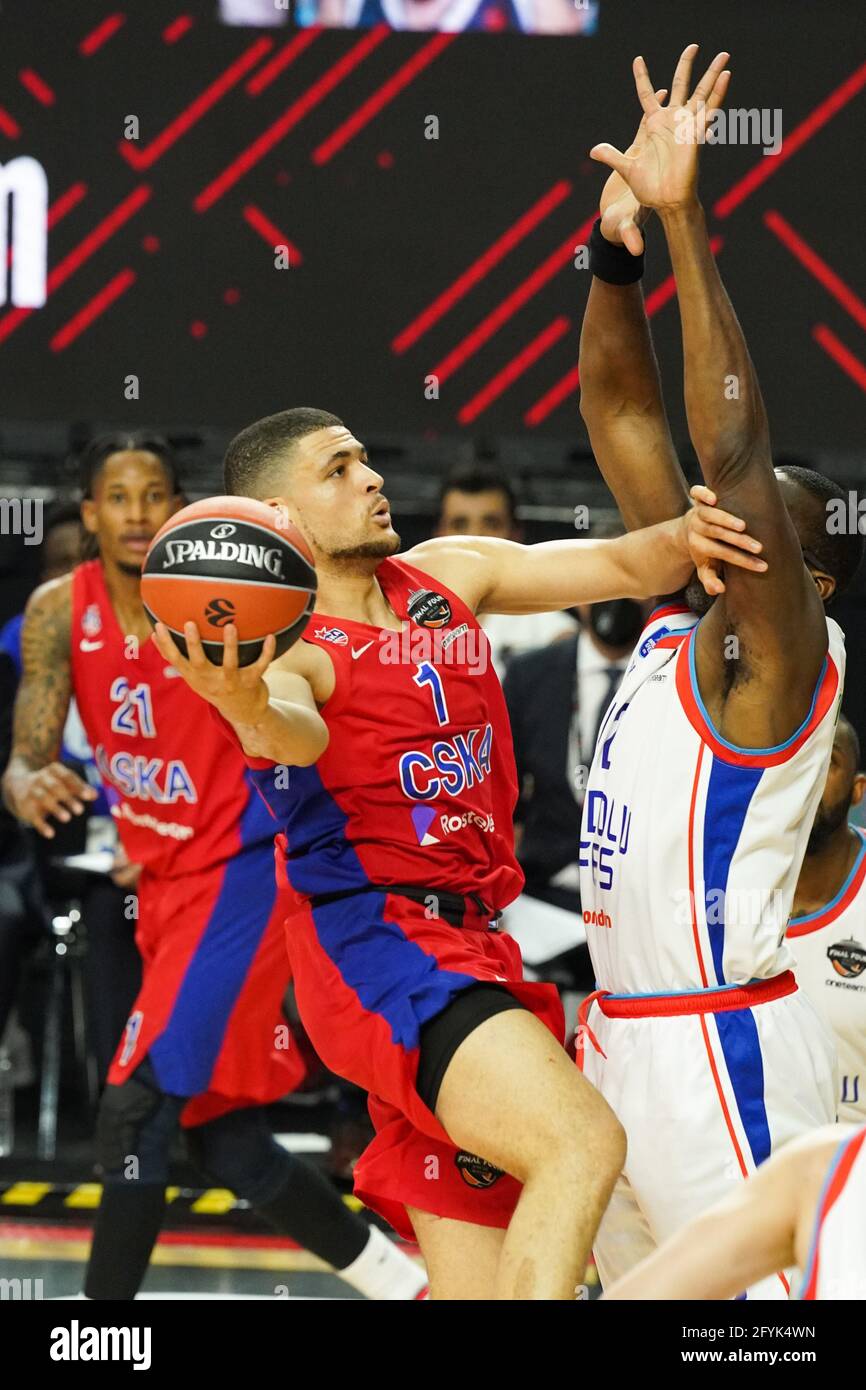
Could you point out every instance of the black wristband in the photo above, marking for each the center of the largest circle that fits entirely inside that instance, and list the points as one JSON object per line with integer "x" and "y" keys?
{"x": 613, "y": 264}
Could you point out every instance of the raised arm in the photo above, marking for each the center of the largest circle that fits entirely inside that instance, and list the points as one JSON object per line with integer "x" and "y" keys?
{"x": 497, "y": 576}
{"x": 759, "y": 689}
{"x": 621, "y": 398}
{"x": 35, "y": 784}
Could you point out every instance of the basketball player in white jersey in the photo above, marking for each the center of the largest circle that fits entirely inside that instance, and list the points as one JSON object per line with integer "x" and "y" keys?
{"x": 806, "y": 1207}
{"x": 713, "y": 756}
{"x": 827, "y": 930}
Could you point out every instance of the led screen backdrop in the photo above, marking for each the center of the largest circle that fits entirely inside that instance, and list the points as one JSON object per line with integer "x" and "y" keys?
{"x": 428, "y": 191}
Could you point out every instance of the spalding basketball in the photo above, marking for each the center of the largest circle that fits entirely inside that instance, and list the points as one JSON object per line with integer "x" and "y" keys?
{"x": 230, "y": 560}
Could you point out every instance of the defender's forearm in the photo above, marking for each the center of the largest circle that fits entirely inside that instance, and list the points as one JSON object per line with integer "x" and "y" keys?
{"x": 621, "y": 404}
{"x": 727, "y": 420}
{"x": 655, "y": 560}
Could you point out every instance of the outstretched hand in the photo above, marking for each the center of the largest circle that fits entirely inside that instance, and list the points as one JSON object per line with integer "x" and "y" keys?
{"x": 715, "y": 537}
{"x": 661, "y": 169}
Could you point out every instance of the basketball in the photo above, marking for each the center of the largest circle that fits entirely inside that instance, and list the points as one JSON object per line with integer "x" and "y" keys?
{"x": 230, "y": 560}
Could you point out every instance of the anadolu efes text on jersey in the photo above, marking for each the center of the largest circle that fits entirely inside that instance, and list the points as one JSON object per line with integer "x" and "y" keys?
{"x": 182, "y": 797}
{"x": 690, "y": 847}
{"x": 418, "y": 784}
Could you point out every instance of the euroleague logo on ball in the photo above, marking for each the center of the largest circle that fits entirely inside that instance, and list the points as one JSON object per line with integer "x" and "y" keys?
{"x": 219, "y": 612}
{"x": 223, "y": 531}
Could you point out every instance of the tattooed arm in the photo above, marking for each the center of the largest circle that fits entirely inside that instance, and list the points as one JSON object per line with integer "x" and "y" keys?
{"x": 35, "y": 785}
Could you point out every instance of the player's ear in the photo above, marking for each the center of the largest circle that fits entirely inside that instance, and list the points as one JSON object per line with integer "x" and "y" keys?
{"x": 825, "y": 584}
{"x": 858, "y": 788}
{"x": 88, "y": 515}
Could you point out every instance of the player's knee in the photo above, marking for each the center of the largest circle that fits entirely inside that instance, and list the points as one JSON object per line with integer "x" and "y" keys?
{"x": 134, "y": 1128}
{"x": 238, "y": 1151}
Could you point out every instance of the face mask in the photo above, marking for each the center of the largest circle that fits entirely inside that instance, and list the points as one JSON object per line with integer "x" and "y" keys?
{"x": 618, "y": 622}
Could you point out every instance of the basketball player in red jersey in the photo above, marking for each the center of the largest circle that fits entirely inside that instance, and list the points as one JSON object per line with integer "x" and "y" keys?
{"x": 205, "y": 1045}
{"x": 397, "y": 850}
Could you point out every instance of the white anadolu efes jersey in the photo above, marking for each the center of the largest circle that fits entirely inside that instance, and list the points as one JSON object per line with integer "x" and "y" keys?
{"x": 836, "y": 1267}
{"x": 690, "y": 847}
{"x": 830, "y": 947}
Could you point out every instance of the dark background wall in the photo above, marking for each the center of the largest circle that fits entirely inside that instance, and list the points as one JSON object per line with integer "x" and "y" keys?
{"x": 162, "y": 273}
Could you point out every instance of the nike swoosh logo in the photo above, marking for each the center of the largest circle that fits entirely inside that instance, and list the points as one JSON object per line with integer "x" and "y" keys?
{"x": 89, "y": 646}
{"x": 170, "y": 671}
{"x": 361, "y": 650}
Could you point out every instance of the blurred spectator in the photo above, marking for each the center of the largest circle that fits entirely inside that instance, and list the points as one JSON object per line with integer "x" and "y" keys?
{"x": 492, "y": 16}
{"x": 477, "y": 499}
{"x": 260, "y": 14}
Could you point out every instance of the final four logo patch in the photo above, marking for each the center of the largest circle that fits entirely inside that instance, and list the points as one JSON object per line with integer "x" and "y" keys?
{"x": 429, "y": 609}
{"x": 848, "y": 958}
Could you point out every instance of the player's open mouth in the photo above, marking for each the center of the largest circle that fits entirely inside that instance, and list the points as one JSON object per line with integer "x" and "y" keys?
{"x": 383, "y": 514}
{"x": 137, "y": 543}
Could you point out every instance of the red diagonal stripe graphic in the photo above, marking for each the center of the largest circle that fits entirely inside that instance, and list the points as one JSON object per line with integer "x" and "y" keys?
{"x": 101, "y": 301}
{"x": 66, "y": 202}
{"x": 386, "y": 93}
{"x": 101, "y": 34}
{"x": 816, "y": 267}
{"x": 827, "y": 109}
{"x": 841, "y": 355}
{"x": 59, "y": 208}
{"x": 280, "y": 61}
{"x": 178, "y": 27}
{"x": 8, "y": 125}
{"x": 142, "y": 159}
{"x": 510, "y": 305}
{"x": 480, "y": 267}
{"x": 290, "y": 117}
{"x": 552, "y": 398}
{"x": 513, "y": 369}
{"x": 270, "y": 232}
{"x": 563, "y": 388}
{"x": 34, "y": 84}
{"x": 82, "y": 252}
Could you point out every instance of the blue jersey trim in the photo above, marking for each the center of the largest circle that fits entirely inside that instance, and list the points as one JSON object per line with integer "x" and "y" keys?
{"x": 819, "y": 912}
{"x": 684, "y": 993}
{"x": 818, "y": 1222}
{"x": 734, "y": 747}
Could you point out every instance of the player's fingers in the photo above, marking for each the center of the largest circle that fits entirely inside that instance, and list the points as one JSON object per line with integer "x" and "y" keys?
{"x": 717, "y": 516}
{"x": 257, "y": 668}
{"x": 167, "y": 647}
{"x": 197, "y": 659}
{"x": 34, "y": 816}
{"x": 701, "y": 493}
{"x": 230, "y": 653}
{"x": 730, "y": 555}
{"x": 631, "y": 236}
{"x": 612, "y": 157}
{"x": 49, "y": 797}
{"x": 720, "y": 91}
{"x": 708, "y": 81}
{"x": 737, "y": 539}
{"x": 683, "y": 76}
{"x": 74, "y": 784}
{"x": 645, "y": 89}
{"x": 711, "y": 580}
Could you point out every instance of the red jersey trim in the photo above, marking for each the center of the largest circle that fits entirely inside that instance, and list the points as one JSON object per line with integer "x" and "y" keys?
{"x": 825, "y": 693}
{"x": 840, "y": 1171}
{"x": 803, "y": 926}
{"x": 705, "y": 1001}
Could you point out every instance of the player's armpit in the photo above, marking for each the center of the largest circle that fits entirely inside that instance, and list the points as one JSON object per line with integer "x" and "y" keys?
{"x": 760, "y": 649}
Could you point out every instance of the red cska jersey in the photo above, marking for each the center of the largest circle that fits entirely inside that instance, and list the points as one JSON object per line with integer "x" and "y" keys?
{"x": 182, "y": 797}
{"x": 418, "y": 784}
